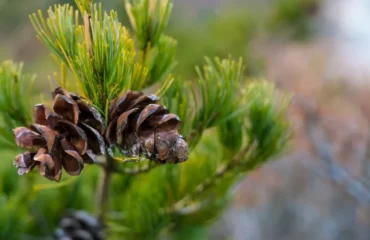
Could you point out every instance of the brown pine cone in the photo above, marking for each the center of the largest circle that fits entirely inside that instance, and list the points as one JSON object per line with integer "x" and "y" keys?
{"x": 141, "y": 127}
{"x": 79, "y": 225}
{"x": 67, "y": 137}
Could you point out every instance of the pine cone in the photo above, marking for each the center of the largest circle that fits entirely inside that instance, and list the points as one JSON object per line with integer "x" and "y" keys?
{"x": 79, "y": 225}
{"x": 141, "y": 127}
{"x": 67, "y": 137}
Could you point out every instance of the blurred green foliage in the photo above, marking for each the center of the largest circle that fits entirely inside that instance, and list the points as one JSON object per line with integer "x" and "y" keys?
{"x": 294, "y": 17}
{"x": 15, "y": 94}
{"x": 227, "y": 33}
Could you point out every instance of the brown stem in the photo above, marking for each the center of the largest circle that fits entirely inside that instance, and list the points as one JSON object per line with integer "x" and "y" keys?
{"x": 103, "y": 188}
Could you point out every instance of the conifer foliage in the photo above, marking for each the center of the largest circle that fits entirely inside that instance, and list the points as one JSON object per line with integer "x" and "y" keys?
{"x": 217, "y": 127}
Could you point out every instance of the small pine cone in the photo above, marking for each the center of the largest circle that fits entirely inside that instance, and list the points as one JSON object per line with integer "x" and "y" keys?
{"x": 141, "y": 127}
{"x": 79, "y": 225}
{"x": 69, "y": 136}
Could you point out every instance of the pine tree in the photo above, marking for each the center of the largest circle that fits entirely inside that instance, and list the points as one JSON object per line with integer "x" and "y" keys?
{"x": 168, "y": 160}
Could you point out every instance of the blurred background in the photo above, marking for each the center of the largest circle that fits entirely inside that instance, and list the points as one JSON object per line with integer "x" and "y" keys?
{"x": 318, "y": 50}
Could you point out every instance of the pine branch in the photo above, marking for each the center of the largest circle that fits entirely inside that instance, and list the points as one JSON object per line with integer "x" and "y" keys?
{"x": 212, "y": 100}
{"x": 176, "y": 192}
{"x": 267, "y": 133}
{"x": 219, "y": 94}
{"x": 218, "y": 86}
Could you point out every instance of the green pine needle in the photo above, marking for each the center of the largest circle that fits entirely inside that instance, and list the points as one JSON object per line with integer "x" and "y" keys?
{"x": 179, "y": 98}
{"x": 149, "y": 19}
{"x": 100, "y": 53}
{"x": 15, "y": 107}
{"x": 84, "y": 6}
{"x": 267, "y": 124}
{"x": 160, "y": 59}
{"x": 217, "y": 93}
